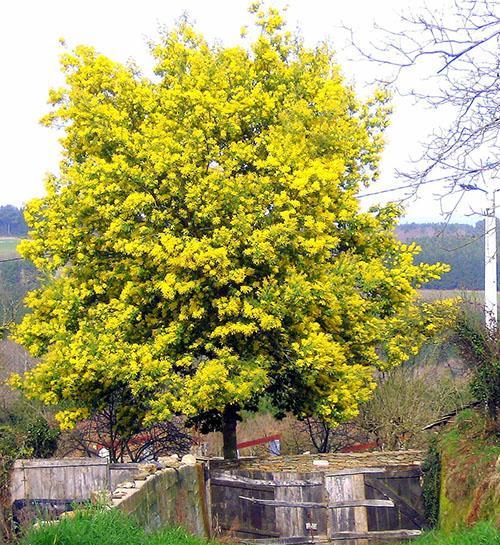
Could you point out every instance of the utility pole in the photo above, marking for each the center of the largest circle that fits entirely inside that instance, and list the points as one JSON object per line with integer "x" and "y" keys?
{"x": 490, "y": 263}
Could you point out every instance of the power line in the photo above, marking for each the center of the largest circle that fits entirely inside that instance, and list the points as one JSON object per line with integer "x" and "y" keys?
{"x": 11, "y": 259}
{"x": 415, "y": 186}
{"x": 468, "y": 243}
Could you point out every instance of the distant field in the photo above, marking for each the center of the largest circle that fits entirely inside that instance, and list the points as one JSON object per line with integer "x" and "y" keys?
{"x": 8, "y": 247}
{"x": 468, "y": 295}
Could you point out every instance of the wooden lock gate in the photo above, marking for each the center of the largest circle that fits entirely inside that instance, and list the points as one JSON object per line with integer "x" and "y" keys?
{"x": 354, "y": 506}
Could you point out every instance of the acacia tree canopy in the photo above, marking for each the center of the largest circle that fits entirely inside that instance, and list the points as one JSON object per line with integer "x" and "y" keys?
{"x": 204, "y": 240}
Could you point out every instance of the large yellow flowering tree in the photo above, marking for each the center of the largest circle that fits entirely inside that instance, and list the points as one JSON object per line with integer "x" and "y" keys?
{"x": 203, "y": 243}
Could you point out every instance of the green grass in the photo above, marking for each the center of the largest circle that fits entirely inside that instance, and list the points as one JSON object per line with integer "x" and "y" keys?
{"x": 8, "y": 247}
{"x": 111, "y": 527}
{"x": 484, "y": 533}
{"x": 105, "y": 527}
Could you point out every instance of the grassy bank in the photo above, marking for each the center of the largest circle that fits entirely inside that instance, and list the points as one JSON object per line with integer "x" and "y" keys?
{"x": 484, "y": 533}
{"x": 470, "y": 475}
{"x": 105, "y": 527}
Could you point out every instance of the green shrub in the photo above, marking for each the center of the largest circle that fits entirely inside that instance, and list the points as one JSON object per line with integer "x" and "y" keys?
{"x": 481, "y": 349}
{"x": 41, "y": 439}
{"x": 432, "y": 483}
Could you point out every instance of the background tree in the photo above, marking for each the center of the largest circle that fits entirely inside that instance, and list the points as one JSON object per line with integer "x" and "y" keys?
{"x": 16, "y": 279}
{"x": 149, "y": 443}
{"x": 457, "y": 47}
{"x": 406, "y": 400}
{"x": 12, "y": 223}
{"x": 205, "y": 242}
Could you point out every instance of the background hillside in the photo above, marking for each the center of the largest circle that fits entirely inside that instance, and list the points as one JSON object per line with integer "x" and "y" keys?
{"x": 16, "y": 277}
{"x": 459, "y": 245}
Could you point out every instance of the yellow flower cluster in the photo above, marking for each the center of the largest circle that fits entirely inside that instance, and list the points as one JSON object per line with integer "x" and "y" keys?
{"x": 203, "y": 243}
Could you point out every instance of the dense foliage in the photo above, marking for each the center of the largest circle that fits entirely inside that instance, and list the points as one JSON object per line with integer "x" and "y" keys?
{"x": 205, "y": 242}
{"x": 481, "y": 349}
{"x": 431, "y": 485}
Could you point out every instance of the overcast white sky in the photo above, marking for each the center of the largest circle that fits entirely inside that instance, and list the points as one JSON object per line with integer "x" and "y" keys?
{"x": 29, "y": 51}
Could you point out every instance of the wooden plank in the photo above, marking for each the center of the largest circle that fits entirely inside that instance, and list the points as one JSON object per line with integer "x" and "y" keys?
{"x": 241, "y": 485}
{"x": 321, "y": 505}
{"x": 252, "y": 532}
{"x": 290, "y": 522}
{"x": 282, "y": 503}
{"x": 249, "y": 518}
{"x": 392, "y": 472}
{"x": 399, "y": 502}
{"x": 58, "y": 479}
{"x": 317, "y": 518}
{"x": 47, "y": 463}
{"x": 340, "y": 488}
{"x": 384, "y": 535}
{"x": 228, "y": 479}
{"x": 360, "y": 513}
{"x": 361, "y": 503}
{"x": 294, "y": 540}
{"x": 356, "y": 471}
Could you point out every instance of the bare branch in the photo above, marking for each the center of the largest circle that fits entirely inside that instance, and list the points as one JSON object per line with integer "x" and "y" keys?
{"x": 463, "y": 78}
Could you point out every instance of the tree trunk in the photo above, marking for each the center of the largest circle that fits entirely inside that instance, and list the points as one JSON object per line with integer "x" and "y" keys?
{"x": 229, "y": 420}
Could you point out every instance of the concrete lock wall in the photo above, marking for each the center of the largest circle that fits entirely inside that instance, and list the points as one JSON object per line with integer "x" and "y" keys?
{"x": 170, "y": 496}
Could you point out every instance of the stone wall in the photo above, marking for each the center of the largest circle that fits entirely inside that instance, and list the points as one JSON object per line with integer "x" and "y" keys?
{"x": 170, "y": 496}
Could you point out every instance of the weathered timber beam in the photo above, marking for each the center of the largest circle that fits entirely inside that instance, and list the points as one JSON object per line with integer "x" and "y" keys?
{"x": 355, "y": 471}
{"x": 221, "y": 479}
{"x": 361, "y": 503}
{"x": 380, "y": 535}
{"x": 295, "y": 540}
{"x": 42, "y": 463}
{"x": 392, "y": 472}
{"x": 318, "y": 505}
{"x": 251, "y": 531}
{"x": 241, "y": 485}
